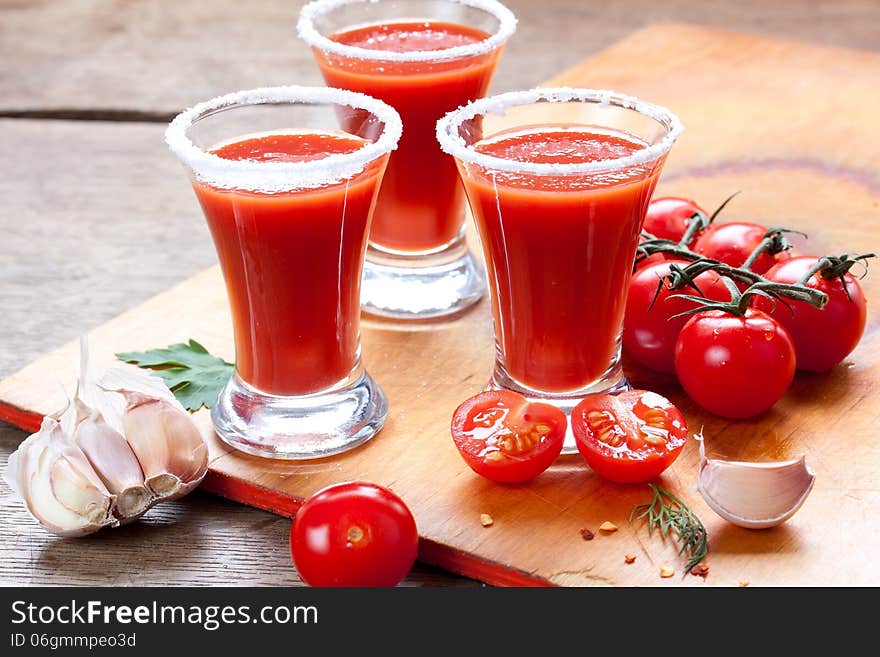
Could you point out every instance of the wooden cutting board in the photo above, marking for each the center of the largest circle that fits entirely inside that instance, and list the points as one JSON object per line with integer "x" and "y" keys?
{"x": 790, "y": 125}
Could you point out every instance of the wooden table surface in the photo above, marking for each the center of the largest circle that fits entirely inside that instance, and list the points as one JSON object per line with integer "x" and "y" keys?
{"x": 91, "y": 219}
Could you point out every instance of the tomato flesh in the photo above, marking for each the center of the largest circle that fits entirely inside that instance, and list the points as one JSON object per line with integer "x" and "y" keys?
{"x": 733, "y": 242}
{"x": 506, "y": 438}
{"x": 630, "y": 437}
{"x": 822, "y": 338}
{"x": 735, "y": 367}
{"x": 354, "y": 534}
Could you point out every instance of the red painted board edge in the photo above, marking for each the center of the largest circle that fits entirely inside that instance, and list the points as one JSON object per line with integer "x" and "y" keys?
{"x": 246, "y": 492}
{"x": 430, "y": 552}
{"x": 27, "y": 420}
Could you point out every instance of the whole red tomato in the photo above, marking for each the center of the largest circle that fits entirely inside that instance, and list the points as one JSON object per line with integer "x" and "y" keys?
{"x": 649, "y": 330}
{"x": 354, "y": 534}
{"x": 733, "y": 242}
{"x": 668, "y": 217}
{"x": 822, "y": 338}
{"x": 506, "y": 438}
{"x": 734, "y": 366}
{"x": 630, "y": 437}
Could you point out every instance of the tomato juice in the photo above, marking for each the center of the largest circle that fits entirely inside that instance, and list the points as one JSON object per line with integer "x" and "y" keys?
{"x": 292, "y": 263}
{"x": 559, "y": 249}
{"x": 420, "y": 205}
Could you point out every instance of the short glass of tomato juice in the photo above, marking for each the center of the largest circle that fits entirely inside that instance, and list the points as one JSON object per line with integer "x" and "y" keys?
{"x": 424, "y": 58}
{"x": 558, "y": 181}
{"x": 288, "y": 195}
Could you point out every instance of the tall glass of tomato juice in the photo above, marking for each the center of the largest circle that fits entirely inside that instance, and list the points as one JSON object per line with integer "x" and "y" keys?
{"x": 558, "y": 189}
{"x": 424, "y": 58}
{"x": 288, "y": 195}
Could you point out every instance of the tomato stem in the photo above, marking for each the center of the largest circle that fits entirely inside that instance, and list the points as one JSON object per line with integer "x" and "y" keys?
{"x": 653, "y": 245}
{"x": 700, "y": 222}
{"x": 829, "y": 267}
{"x": 774, "y": 242}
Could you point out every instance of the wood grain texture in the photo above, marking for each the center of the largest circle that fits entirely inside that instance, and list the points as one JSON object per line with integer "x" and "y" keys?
{"x": 145, "y": 60}
{"x": 791, "y": 126}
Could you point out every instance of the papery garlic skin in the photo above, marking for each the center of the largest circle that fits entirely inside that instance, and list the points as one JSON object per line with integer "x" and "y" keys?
{"x": 168, "y": 445}
{"x": 754, "y": 495}
{"x": 57, "y": 483}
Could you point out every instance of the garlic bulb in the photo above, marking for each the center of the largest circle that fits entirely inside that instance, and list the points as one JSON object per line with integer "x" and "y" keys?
{"x": 754, "y": 495}
{"x": 122, "y": 445}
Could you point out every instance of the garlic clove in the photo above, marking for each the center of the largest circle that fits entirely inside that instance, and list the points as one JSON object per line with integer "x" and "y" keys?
{"x": 114, "y": 461}
{"x": 167, "y": 443}
{"x": 754, "y": 495}
{"x": 78, "y": 493}
{"x": 58, "y": 486}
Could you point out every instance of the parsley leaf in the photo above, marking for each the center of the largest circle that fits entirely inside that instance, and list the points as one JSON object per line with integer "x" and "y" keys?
{"x": 194, "y": 376}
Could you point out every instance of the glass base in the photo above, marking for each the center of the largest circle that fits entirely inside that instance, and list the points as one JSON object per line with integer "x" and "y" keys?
{"x": 421, "y": 286}
{"x": 613, "y": 380}
{"x": 300, "y": 427}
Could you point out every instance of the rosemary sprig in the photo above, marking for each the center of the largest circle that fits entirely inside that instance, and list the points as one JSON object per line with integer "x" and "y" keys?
{"x": 666, "y": 512}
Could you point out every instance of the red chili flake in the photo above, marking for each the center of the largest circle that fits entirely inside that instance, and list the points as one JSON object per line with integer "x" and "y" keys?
{"x": 700, "y": 570}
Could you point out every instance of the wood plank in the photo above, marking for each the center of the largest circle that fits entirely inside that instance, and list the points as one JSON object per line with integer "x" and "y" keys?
{"x": 778, "y": 120}
{"x": 143, "y": 59}
{"x": 99, "y": 217}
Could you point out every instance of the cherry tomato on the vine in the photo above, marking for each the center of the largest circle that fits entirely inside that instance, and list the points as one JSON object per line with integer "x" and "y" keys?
{"x": 649, "y": 332}
{"x": 504, "y": 437}
{"x": 630, "y": 437}
{"x": 822, "y": 338}
{"x": 354, "y": 534}
{"x": 733, "y": 242}
{"x": 734, "y": 366}
{"x": 668, "y": 217}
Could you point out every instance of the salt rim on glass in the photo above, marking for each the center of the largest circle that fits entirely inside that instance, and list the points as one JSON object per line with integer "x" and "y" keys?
{"x": 275, "y": 177}
{"x": 453, "y": 144}
{"x": 307, "y": 31}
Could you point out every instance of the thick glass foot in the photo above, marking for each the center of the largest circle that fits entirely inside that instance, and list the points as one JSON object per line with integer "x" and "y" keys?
{"x": 299, "y": 427}
{"x": 611, "y": 381}
{"x": 418, "y": 287}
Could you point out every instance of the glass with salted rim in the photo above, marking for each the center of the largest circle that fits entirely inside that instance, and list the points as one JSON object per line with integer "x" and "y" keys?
{"x": 424, "y": 58}
{"x": 287, "y": 195}
{"x": 558, "y": 181}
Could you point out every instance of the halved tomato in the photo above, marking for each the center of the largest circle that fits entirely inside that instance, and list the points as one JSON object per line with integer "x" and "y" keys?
{"x": 504, "y": 437}
{"x": 630, "y": 437}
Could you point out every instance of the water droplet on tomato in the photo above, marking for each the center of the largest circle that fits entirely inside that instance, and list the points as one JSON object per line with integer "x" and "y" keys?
{"x": 769, "y": 335}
